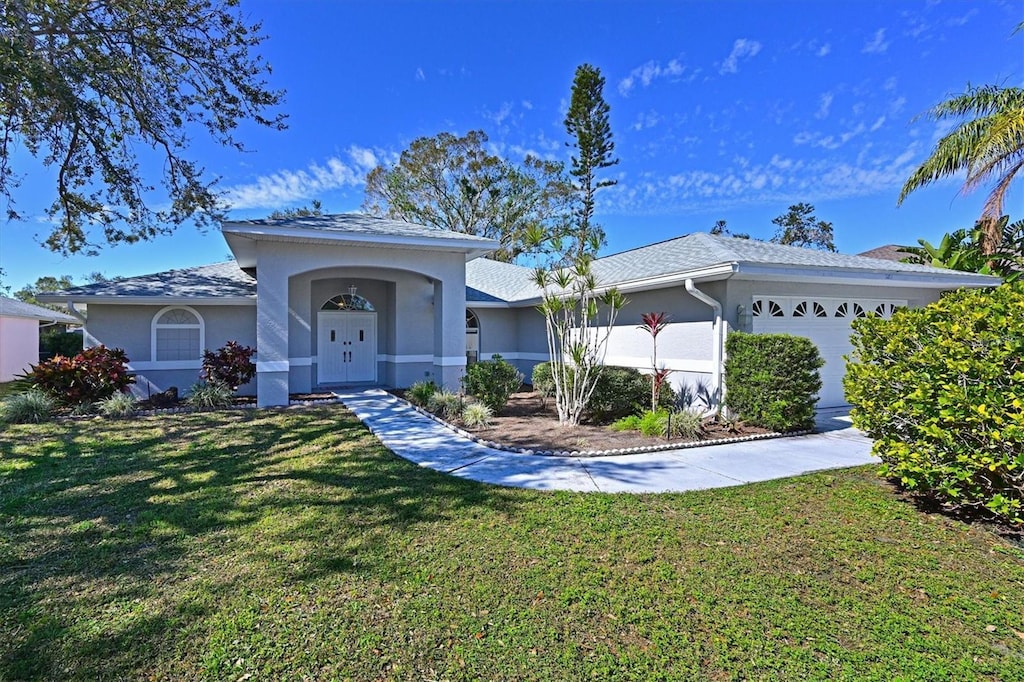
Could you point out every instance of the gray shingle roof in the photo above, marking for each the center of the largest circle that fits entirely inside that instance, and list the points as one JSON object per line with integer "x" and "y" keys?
{"x": 359, "y": 223}
{"x": 12, "y": 307}
{"x": 205, "y": 281}
{"x": 887, "y": 252}
{"x": 490, "y": 280}
{"x": 701, "y": 250}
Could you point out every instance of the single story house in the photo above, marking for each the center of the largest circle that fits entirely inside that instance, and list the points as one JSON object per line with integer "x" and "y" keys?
{"x": 357, "y": 300}
{"x": 19, "y": 334}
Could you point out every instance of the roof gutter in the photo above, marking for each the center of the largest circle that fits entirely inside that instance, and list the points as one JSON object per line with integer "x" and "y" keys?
{"x": 718, "y": 342}
{"x": 77, "y": 314}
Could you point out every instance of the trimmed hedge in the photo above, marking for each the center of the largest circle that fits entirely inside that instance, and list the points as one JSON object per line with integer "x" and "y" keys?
{"x": 941, "y": 390}
{"x": 772, "y": 380}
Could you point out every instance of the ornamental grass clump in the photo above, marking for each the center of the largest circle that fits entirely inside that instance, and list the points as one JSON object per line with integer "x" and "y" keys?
{"x": 419, "y": 393}
{"x": 940, "y": 389}
{"x": 476, "y": 416}
{"x": 446, "y": 405}
{"x": 118, "y": 405}
{"x": 28, "y": 407}
{"x": 210, "y": 395}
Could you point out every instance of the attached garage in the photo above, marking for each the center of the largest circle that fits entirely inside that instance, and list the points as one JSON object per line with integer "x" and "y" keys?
{"x": 826, "y": 322}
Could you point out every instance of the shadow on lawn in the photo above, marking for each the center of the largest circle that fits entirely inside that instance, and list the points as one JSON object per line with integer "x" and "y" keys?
{"x": 116, "y": 535}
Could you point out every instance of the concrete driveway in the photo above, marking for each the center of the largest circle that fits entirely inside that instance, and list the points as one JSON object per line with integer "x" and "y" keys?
{"x": 409, "y": 434}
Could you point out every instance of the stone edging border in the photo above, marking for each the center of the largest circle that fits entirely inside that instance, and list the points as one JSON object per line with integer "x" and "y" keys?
{"x": 599, "y": 453}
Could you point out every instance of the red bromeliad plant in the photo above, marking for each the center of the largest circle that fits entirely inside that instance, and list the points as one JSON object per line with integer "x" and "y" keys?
{"x": 653, "y": 324}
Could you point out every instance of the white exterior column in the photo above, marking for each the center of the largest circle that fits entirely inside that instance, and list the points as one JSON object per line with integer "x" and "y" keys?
{"x": 450, "y": 330}
{"x": 271, "y": 333}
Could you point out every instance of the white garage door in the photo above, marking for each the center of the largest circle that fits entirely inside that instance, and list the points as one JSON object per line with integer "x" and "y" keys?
{"x": 826, "y": 322}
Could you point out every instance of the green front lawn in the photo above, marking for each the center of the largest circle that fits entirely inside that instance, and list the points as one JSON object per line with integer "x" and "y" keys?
{"x": 288, "y": 544}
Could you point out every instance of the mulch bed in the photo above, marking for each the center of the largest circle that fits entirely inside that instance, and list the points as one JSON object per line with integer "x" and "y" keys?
{"x": 529, "y": 422}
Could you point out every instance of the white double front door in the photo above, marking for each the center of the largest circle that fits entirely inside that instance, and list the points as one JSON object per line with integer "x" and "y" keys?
{"x": 346, "y": 347}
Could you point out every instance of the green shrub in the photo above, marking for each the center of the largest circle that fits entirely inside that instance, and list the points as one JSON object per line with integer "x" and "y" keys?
{"x": 419, "y": 393}
{"x": 492, "y": 382}
{"x": 210, "y": 395}
{"x": 446, "y": 405}
{"x": 54, "y": 342}
{"x": 542, "y": 380}
{"x": 772, "y": 380}
{"x": 118, "y": 405}
{"x": 653, "y": 423}
{"x": 622, "y": 391}
{"x": 941, "y": 391}
{"x": 685, "y": 424}
{"x": 231, "y": 365}
{"x": 630, "y": 423}
{"x": 27, "y": 407}
{"x": 92, "y": 375}
{"x": 476, "y": 416}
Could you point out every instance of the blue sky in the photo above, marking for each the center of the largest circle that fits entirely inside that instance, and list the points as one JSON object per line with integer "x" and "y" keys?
{"x": 720, "y": 110}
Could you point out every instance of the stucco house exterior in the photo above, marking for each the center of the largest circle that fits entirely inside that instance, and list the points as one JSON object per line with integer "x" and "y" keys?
{"x": 356, "y": 300}
{"x": 19, "y": 334}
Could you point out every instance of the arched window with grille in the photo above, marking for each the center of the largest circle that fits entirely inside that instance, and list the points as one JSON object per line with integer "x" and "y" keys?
{"x": 178, "y": 333}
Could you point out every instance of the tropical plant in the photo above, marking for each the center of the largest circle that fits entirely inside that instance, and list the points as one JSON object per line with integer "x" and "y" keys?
{"x": 92, "y": 375}
{"x": 987, "y": 145}
{"x": 85, "y": 85}
{"x": 210, "y": 395}
{"x": 653, "y": 324}
{"x": 962, "y": 250}
{"x": 939, "y": 389}
{"x": 492, "y": 382}
{"x": 578, "y": 318}
{"x": 231, "y": 365}
{"x": 27, "y": 407}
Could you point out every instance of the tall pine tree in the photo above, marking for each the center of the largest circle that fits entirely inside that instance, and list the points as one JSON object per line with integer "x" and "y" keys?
{"x": 587, "y": 125}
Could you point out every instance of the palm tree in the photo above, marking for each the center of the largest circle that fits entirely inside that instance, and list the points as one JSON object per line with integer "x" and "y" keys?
{"x": 988, "y": 145}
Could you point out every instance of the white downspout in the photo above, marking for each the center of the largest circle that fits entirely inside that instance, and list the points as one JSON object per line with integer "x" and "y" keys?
{"x": 718, "y": 344}
{"x": 75, "y": 312}
{"x": 85, "y": 333}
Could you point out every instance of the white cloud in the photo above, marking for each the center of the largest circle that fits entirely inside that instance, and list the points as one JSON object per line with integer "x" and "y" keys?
{"x": 646, "y": 120}
{"x": 742, "y": 48}
{"x": 961, "y": 20}
{"x": 824, "y": 104}
{"x": 526, "y": 104}
{"x": 501, "y": 115}
{"x": 824, "y": 50}
{"x": 647, "y": 72}
{"x": 420, "y": 76}
{"x": 877, "y": 44}
{"x": 287, "y": 187}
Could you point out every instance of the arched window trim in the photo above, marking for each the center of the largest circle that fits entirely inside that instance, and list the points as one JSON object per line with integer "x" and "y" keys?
{"x": 365, "y": 306}
{"x": 155, "y": 325}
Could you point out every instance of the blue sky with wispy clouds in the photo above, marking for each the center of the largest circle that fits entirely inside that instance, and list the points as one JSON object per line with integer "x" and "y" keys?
{"x": 720, "y": 110}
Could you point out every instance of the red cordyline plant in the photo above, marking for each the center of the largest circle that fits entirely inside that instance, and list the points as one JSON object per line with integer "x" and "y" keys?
{"x": 92, "y": 375}
{"x": 653, "y": 324}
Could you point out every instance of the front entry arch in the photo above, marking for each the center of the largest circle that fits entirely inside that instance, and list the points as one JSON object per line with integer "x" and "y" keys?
{"x": 346, "y": 341}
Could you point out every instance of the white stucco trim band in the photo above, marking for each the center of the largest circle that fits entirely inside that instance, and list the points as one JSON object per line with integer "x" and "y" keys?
{"x": 272, "y": 366}
{"x": 450, "y": 361}
{"x": 146, "y": 365}
{"x": 405, "y": 359}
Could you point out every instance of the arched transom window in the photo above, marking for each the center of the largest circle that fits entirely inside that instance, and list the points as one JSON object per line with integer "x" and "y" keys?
{"x": 177, "y": 334}
{"x": 348, "y": 302}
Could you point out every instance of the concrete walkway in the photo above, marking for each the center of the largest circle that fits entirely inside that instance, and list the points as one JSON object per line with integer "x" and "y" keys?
{"x": 418, "y": 439}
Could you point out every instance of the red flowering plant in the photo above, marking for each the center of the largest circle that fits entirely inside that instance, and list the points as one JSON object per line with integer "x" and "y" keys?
{"x": 654, "y": 324}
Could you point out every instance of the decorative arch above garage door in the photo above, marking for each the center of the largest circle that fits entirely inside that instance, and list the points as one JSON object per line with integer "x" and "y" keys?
{"x": 826, "y": 322}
